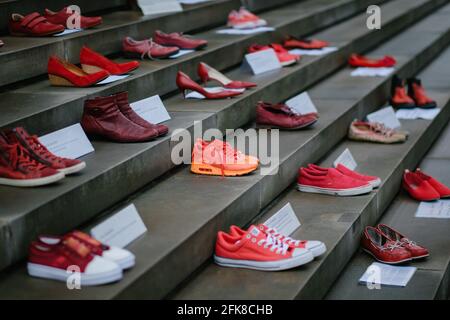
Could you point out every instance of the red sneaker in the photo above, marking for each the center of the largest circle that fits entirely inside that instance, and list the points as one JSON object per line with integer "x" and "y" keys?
{"x": 399, "y": 97}
{"x": 372, "y": 180}
{"x": 93, "y": 62}
{"x": 361, "y": 61}
{"x": 63, "y": 15}
{"x": 419, "y": 188}
{"x": 443, "y": 190}
{"x": 177, "y": 39}
{"x": 417, "y": 92}
{"x": 375, "y": 243}
{"x": 330, "y": 181}
{"x": 259, "y": 251}
{"x": 146, "y": 49}
{"x": 313, "y": 44}
{"x": 282, "y": 117}
{"x": 417, "y": 252}
{"x": 55, "y": 261}
{"x": 33, "y": 25}
{"x": 244, "y": 19}
{"x": 283, "y": 55}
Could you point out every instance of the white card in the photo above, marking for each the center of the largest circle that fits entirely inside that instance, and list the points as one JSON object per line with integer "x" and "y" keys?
{"x": 67, "y": 31}
{"x": 151, "y": 109}
{"x": 417, "y": 113}
{"x": 196, "y": 95}
{"x": 383, "y": 274}
{"x": 285, "y": 221}
{"x": 437, "y": 209}
{"x": 158, "y": 6}
{"x": 113, "y": 78}
{"x": 372, "y": 72}
{"x": 302, "y": 104}
{"x": 70, "y": 142}
{"x": 120, "y": 229}
{"x": 245, "y": 31}
{"x": 263, "y": 61}
{"x": 314, "y": 52}
{"x": 181, "y": 53}
{"x": 346, "y": 159}
{"x": 385, "y": 116}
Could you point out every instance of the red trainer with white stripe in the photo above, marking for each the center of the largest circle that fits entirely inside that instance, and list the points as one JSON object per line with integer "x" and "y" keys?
{"x": 372, "y": 180}
{"x": 258, "y": 250}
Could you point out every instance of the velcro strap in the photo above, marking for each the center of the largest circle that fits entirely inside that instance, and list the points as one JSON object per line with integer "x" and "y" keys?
{"x": 35, "y": 22}
{"x": 26, "y": 20}
{"x": 76, "y": 246}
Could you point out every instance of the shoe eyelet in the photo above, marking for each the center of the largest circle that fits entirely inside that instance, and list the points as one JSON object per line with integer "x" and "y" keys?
{"x": 253, "y": 240}
{"x": 248, "y": 236}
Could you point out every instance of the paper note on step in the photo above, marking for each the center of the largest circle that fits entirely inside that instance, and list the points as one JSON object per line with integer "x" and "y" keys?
{"x": 387, "y": 275}
{"x": 417, "y": 113}
{"x": 302, "y": 104}
{"x": 158, "y": 6}
{"x": 439, "y": 209}
{"x": 67, "y": 31}
{"x": 196, "y": 95}
{"x": 346, "y": 159}
{"x": 285, "y": 220}
{"x": 181, "y": 53}
{"x": 372, "y": 72}
{"x": 262, "y": 61}
{"x": 111, "y": 79}
{"x": 385, "y": 116}
{"x": 151, "y": 109}
{"x": 314, "y": 52}
{"x": 245, "y": 31}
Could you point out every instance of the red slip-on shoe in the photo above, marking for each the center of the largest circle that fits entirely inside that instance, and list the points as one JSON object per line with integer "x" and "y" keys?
{"x": 41, "y": 154}
{"x": 62, "y": 16}
{"x": 178, "y": 39}
{"x": 399, "y": 97}
{"x": 283, "y": 55}
{"x": 418, "y": 188}
{"x": 442, "y": 189}
{"x": 65, "y": 74}
{"x": 258, "y": 250}
{"x": 372, "y": 180}
{"x": 417, "y": 92}
{"x": 207, "y": 73}
{"x": 32, "y": 25}
{"x": 146, "y": 49}
{"x": 331, "y": 182}
{"x": 375, "y": 243}
{"x": 312, "y": 44}
{"x": 93, "y": 62}
{"x": 124, "y": 258}
{"x": 282, "y": 117}
{"x": 54, "y": 262}
{"x": 356, "y": 60}
{"x": 417, "y": 252}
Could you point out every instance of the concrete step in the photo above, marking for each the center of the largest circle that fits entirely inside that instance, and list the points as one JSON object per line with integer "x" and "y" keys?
{"x": 258, "y": 5}
{"x": 336, "y": 221}
{"x": 167, "y": 246}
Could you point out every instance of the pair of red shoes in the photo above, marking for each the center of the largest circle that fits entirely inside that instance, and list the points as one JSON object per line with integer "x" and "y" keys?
{"x": 36, "y": 25}
{"x": 339, "y": 181}
{"x": 285, "y": 58}
{"x": 423, "y": 187}
{"x": 280, "y": 116}
{"x": 113, "y": 118}
{"x": 94, "y": 68}
{"x": 416, "y": 96}
{"x": 356, "y": 61}
{"x": 387, "y": 245}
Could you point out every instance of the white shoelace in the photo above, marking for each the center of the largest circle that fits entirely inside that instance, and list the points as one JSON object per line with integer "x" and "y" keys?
{"x": 393, "y": 246}
{"x": 282, "y": 237}
{"x": 274, "y": 244}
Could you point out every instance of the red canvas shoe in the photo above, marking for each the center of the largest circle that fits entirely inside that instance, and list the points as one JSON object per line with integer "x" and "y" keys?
{"x": 399, "y": 97}
{"x": 93, "y": 62}
{"x": 41, "y": 154}
{"x": 178, "y": 39}
{"x": 281, "y": 116}
{"x": 258, "y": 250}
{"x": 64, "y": 14}
{"x": 146, "y": 49}
{"x": 313, "y": 44}
{"x": 207, "y": 73}
{"x": 124, "y": 258}
{"x": 418, "y": 188}
{"x": 375, "y": 243}
{"x": 55, "y": 261}
{"x": 417, "y": 92}
{"x": 32, "y": 25}
{"x": 372, "y": 180}
{"x": 442, "y": 189}
{"x": 331, "y": 182}
{"x": 417, "y": 252}
{"x": 283, "y": 55}
{"x": 244, "y": 19}
{"x": 361, "y": 61}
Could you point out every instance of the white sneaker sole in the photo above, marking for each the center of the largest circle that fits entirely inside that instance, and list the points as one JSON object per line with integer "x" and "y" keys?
{"x": 266, "y": 265}
{"x": 32, "y": 182}
{"x": 126, "y": 263}
{"x": 375, "y": 183}
{"x": 318, "y": 250}
{"x": 73, "y": 169}
{"x": 41, "y": 271}
{"x": 336, "y": 192}
{"x": 288, "y": 63}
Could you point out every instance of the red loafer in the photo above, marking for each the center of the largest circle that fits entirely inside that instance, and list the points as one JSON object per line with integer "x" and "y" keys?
{"x": 93, "y": 62}
{"x": 418, "y": 188}
{"x": 33, "y": 25}
{"x": 417, "y": 252}
{"x": 179, "y": 40}
{"x": 62, "y": 16}
{"x": 361, "y": 61}
{"x": 442, "y": 189}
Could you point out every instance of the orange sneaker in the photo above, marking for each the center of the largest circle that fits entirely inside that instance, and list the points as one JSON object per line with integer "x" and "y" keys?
{"x": 219, "y": 158}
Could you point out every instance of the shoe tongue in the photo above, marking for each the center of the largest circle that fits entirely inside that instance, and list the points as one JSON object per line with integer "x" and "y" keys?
{"x": 254, "y": 231}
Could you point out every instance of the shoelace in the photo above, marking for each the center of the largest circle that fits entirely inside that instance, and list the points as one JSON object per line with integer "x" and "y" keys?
{"x": 381, "y": 128}
{"x": 406, "y": 241}
{"x": 274, "y": 245}
{"x": 20, "y": 159}
{"x": 40, "y": 149}
{"x": 283, "y": 238}
{"x": 149, "y": 44}
{"x": 392, "y": 246}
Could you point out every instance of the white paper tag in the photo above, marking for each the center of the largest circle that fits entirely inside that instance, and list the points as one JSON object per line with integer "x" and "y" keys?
{"x": 417, "y": 113}
{"x": 151, "y": 109}
{"x": 245, "y": 31}
{"x": 181, "y": 53}
{"x": 314, "y": 52}
{"x": 346, "y": 159}
{"x": 383, "y": 274}
{"x": 437, "y": 209}
{"x": 158, "y": 6}
{"x": 285, "y": 221}
{"x": 385, "y": 116}
{"x": 302, "y": 104}
{"x": 120, "y": 229}
{"x": 70, "y": 142}
{"x": 263, "y": 61}
{"x": 372, "y": 72}
{"x": 113, "y": 78}
{"x": 67, "y": 31}
{"x": 196, "y": 95}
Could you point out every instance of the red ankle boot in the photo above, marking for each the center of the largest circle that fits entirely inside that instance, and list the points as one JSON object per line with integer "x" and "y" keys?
{"x": 399, "y": 97}
{"x": 417, "y": 92}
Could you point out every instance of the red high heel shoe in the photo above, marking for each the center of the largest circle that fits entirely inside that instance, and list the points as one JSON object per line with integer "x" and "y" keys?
{"x": 63, "y": 73}
{"x": 185, "y": 83}
{"x": 92, "y": 62}
{"x": 206, "y": 73}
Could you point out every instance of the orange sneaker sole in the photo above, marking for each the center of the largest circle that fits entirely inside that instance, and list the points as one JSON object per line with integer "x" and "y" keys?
{"x": 215, "y": 171}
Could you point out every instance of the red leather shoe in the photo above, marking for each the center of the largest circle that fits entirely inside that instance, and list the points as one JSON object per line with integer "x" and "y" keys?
{"x": 361, "y": 61}
{"x": 443, "y": 190}
{"x": 285, "y": 58}
{"x": 93, "y": 62}
{"x": 207, "y": 73}
{"x": 33, "y": 25}
{"x": 417, "y": 92}
{"x": 313, "y": 44}
{"x": 185, "y": 83}
{"x": 417, "y": 252}
{"x": 179, "y": 40}
{"x": 102, "y": 117}
{"x": 418, "y": 188}
{"x": 63, "y": 73}
{"x": 146, "y": 48}
{"x": 62, "y": 16}
{"x": 372, "y": 180}
{"x": 399, "y": 97}
{"x": 282, "y": 117}
{"x": 375, "y": 243}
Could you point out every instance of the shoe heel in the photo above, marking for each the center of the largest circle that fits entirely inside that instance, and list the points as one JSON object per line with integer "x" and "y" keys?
{"x": 90, "y": 69}
{"x": 59, "y": 81}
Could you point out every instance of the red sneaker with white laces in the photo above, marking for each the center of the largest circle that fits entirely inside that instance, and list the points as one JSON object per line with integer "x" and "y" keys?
{"x": 258, "y": 250}
{"x": 442, "y": 189}
{"x": 244, "y": 19}
{"x": 418, "y": 188}
{"x": 372, "y": 180}
{"x": 283, "y": 55}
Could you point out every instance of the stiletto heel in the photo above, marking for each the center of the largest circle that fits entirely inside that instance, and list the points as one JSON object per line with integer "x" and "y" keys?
{"x": 207, "y": 73}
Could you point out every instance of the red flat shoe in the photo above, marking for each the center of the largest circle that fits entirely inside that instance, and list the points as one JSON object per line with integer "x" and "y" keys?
{"x": 179, "y": 40}
{"x": 207, "y": 73}
{"x": 33, "y": 25}
{"x": 285, "y": 58}
{"x": 417, "y": 252}
{"x": 185, "y": 83}
{"x": 441, "y": 188}
{"x": 63, "y": 15}
{"x": 418, "y": 188}
{"x": 93, "y": 62}
{"x": 361, "y": 61}
{"x": 63, "y": 73}
{"x": 313, "y": 44}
